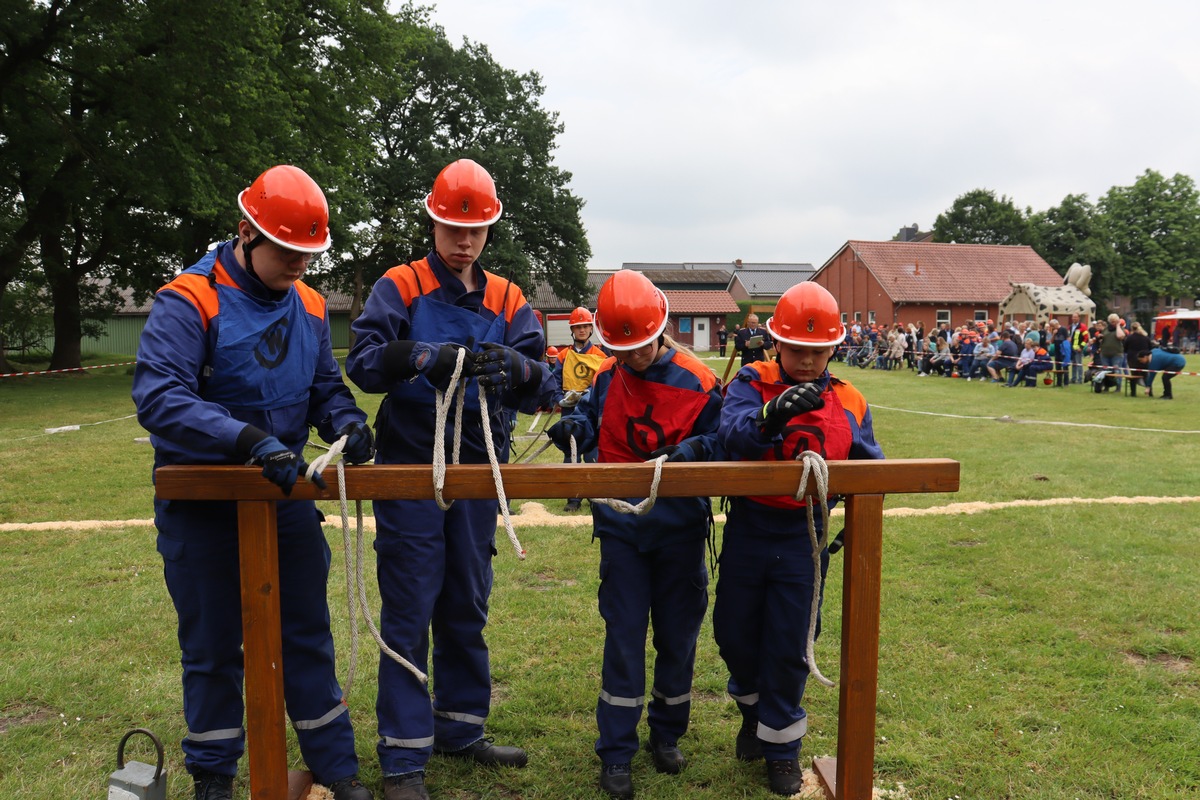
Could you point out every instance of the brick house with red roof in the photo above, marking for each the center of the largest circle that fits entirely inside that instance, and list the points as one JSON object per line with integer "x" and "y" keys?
{"x": 928, "y": 282}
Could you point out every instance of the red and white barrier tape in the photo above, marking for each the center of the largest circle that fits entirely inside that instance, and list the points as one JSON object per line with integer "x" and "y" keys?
{"x": 68, "y": 369}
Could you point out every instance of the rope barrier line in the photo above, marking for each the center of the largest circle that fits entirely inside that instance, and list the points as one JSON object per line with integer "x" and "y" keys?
{"x": 1033, "y": 421}
{"x": 66, "y": 428}
{"x": 67, "y": 369}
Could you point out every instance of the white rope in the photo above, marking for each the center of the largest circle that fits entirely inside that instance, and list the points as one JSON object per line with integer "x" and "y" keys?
{"x": 816, "y": 466}
{"x": 642, "y": 508}
{"x": 355, "y": 581}
{"x": 1033, "y": 421}
{"x": 456, "y": 391}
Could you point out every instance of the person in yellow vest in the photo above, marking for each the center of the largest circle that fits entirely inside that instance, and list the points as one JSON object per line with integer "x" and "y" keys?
{"x": 577, "y": 366}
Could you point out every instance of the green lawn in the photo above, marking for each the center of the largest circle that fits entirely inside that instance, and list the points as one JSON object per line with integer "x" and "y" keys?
{"x": 1040, "y": 652}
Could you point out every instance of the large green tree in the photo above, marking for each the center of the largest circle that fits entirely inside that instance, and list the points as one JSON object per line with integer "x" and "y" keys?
{"x": 979, "y": 217}
{"x": 1071, "y": 232}
{"x": 127, "y": 129}
{"x": 1153, "y": 229}
{"x": 457, "y": 102}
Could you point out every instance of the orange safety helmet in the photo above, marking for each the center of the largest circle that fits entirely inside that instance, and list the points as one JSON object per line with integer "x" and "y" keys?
{"x": 631, "y": 311}
{"x": 580, "y": 316}
{"x": 285, "y": 205}
{"x": 807, "y": 315}
{"x": 464, "y": 195}
{"x": 551, "y": 352}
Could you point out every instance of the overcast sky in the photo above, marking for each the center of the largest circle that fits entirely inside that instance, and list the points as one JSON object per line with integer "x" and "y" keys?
{"x": 776, "y": 130}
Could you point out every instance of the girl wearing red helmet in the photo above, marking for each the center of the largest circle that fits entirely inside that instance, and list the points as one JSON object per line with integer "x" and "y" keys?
{"x": 773, "y": 411}
{"x": 652, "y": 397}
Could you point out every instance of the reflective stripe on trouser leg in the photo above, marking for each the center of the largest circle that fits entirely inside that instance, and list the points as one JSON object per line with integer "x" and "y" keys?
{"x": 769, "y": 579}
{"x": 314, "y": 699}
{"x": 198, "y": 543}
{"x": 679, "y": 600}
{"x": 422, "y": 550}
{"x": 624, "y": 603}
{"x": 410, "y": 550}
{"x": 463, "y": 679}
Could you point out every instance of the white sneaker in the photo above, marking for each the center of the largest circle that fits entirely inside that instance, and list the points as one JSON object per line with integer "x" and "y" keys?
{"x": 968, "y": 380}
{"x": 921, "y": 374}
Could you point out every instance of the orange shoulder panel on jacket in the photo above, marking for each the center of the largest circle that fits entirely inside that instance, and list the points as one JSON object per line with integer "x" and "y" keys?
{"x": 852, "y": 399}
{"x": 606, "y": 364}
{"x": 314, "y": 303}
{"x": 199, "y": 292}
{"x": 497, "y": 291}
{"x": 768, "y": 371}
{"x": 413, "y": 279}
{"x": 703, "y": 373}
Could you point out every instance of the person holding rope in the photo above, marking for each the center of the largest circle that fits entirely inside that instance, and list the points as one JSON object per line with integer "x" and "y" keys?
{"x": 425, "y": 324}
{"x": 764, "y": 600}
{"x": 651, "y": 399}
{"x": 577, "y": 366}
{"x": 234, "y": 365}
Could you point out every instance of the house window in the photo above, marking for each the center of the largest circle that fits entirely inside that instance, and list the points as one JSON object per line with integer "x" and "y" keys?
{"x": 981, "y": 316}
{"x": 685, "y": 324}
{"x": 845, "y": 317}
{"x": 870, "y": 317}
{"x": 943, "y": 315}
{"x": 858, "y": 316}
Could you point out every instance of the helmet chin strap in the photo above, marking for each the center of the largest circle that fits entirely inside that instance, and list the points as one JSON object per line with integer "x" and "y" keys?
{"x": 249, "y": 246}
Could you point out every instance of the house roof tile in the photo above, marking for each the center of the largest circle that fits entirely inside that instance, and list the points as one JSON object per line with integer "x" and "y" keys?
{"x": 914, "y": 272}
{"x": 700, "y": 302}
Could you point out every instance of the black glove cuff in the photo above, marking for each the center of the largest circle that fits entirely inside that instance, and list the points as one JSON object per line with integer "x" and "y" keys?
{"x": 246, "y": 440}
{"x": 397, "y": 364}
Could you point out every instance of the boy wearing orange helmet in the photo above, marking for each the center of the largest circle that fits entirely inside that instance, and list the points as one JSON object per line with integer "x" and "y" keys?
{"x": 652, "y": 398}
{"x": 435, "y": 566}
{"x": 234, "y": 365}
{"x": 774, "y": 411}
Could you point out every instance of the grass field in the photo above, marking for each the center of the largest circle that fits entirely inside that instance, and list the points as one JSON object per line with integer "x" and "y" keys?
{"x": 1038, "y": 652}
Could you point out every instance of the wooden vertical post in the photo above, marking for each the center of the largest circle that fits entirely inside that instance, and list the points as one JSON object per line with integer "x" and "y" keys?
{"x": 258, "y": 554}
{"x": 853, "y": 774}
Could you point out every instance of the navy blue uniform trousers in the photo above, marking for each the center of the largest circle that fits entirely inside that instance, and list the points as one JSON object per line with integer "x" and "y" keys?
{"x": 669, "y": 587}
{"x": 199, "y": 545}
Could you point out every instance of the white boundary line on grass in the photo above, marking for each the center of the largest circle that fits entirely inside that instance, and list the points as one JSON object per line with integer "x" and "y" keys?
{"x": 535, "y": 515}
{"x": 1007, "y": 418}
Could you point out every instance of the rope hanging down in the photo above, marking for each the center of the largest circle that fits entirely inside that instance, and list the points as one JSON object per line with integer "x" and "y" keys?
{"x": 816, "y": 466}
{"x": 456, "y": 391}
{"x": 355, "y": 581}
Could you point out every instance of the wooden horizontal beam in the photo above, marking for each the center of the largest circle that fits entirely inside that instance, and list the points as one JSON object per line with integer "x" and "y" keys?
{"x": 524, "y": 481}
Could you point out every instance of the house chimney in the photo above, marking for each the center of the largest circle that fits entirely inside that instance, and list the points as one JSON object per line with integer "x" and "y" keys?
{"x": 737, "y": 263}
{"x": 916, "y": 266}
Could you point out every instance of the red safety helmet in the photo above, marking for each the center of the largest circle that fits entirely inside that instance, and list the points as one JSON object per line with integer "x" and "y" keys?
{"x": 285, "y": 205}
{"x": 631, "y": 311}
{"x": 581, "y": 316}
{"x": 551, "y": 352}
{"x": 464, "y": 195}
{"x": 807, "y": 315}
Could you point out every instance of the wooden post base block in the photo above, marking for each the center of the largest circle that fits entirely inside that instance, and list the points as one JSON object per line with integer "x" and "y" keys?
{"x": 299, "y": 784}
{"x": 826, "y": 769}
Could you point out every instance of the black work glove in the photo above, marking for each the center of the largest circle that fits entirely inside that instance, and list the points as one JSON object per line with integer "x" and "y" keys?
{"x": 836, "y": 542}
{"x": 500, "y": 367}
{"x": 563, "y": 431}
{"x": 280, "y": 465}
{"x": 684, "y": 452}
{"x": 360, "y": 442}
{"x": 406, "y": 359}
{"x": 795, "y": 400}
